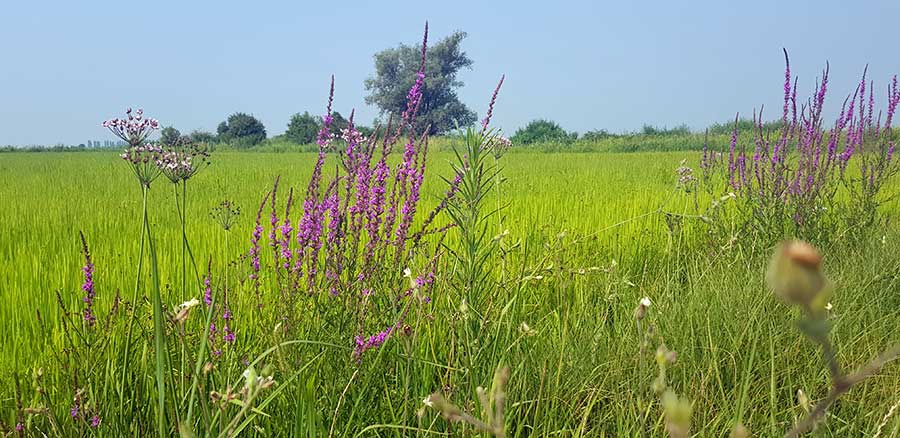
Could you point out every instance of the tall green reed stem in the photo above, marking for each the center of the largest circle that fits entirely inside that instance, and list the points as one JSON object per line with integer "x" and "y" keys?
{"x": 159, "y": 334}
{"x": 134, "y": 299}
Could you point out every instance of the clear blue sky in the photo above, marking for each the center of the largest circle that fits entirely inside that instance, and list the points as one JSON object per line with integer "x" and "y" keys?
{"x": 66, "y": 65}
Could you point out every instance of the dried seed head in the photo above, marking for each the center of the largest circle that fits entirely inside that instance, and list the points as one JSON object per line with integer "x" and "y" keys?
{"x": 795, "y": 273}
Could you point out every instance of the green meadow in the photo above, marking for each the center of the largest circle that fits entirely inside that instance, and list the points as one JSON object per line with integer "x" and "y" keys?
{"x": 580, "y": 239}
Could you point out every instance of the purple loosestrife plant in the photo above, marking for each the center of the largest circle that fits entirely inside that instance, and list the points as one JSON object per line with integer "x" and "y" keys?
{"x": 88, "y": 286}
{"x": 792, "y": 187}
{"x": 254, "y": 251}
{"x": 355, "y": 233}
{"x": 207, "y": 286}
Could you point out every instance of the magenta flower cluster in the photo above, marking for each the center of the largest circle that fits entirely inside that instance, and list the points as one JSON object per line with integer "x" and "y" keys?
{"x": 134, "y": 129}
{"x": 797, "y": 171}
{"x": 353, "y": 234}
{"x": 357, "y": 229}
{"x": 88, "y": 285}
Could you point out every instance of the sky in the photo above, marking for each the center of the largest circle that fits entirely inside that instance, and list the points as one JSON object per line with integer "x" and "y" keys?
{"x": 587, "y": 65}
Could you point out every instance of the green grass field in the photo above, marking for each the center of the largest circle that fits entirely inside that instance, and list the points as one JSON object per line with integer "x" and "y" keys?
{"x": 587, "y": 239}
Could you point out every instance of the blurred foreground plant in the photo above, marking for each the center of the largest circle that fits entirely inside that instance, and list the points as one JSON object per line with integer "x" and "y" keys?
{"x": 795, "y": 275}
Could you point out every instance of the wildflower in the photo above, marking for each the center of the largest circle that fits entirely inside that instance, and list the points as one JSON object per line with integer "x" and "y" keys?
{"x": 490, "y": 111}
{"x": 95, "y": 421}
{"x": 427, "y": 402}
{"x": 184, "y": 310}
{"x": 133, "y": 129}
{"x": 180, "y": 162}
{"x": 20, "y": 427}
{"x": 225, "y": 214}
{"x": 254, "y": 250}
{"x": 88, "y": 285}
{"x": 795, "y": 274}
{"x": 641, "y": 310}
{"x": 190, "y": 303}
{"x": 374, "y": 341}
{"x": 207, "y": 286}
{"x": 228, "y": 334}
{"x": 828, "y": 306}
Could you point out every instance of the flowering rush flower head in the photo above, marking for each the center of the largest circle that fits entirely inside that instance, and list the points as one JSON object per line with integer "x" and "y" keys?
{"x": 145, "y": 160}
{"x": 134, "y": 129}
{"x": 225, "y": 214}
{"x": 180, "y": 162}
{"x": 88, "y": 286}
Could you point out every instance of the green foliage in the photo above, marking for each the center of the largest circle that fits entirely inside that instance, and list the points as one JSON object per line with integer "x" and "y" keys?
{"x": 542, "y": 130}
{"x": 302, "y": 128}
{"x": 743, "y": 125}
{"x": 169, "y": 136}
{"x": 597, "y": 135}
{"x": 664, "y": 131}
{"x": 395, "y": 73}
{"x": 338, "y": 123}
{"x": 202, "y": 137}
{"x": 242, "y": 130}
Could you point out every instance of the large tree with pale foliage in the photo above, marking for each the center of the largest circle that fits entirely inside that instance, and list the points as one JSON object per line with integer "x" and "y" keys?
{"x": 395, "y": 73}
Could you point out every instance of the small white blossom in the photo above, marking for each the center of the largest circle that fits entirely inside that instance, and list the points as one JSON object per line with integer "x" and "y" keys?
{"x": 190, "y": 303}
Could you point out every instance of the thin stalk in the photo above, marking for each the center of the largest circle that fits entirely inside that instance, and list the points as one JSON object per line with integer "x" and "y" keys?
{"x": 159, "y": 336}
{"x": 137, "y": 286}
{"x": 183, "y": 238}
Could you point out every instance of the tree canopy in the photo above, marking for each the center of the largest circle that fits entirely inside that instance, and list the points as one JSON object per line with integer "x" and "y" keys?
{"x": 241, "y": 129}
{"x": 395, "y": 73}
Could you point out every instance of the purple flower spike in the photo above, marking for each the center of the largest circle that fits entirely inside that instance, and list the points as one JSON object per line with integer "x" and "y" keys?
{"x": 88, "y": 286}
{"x": 207, "y": 291}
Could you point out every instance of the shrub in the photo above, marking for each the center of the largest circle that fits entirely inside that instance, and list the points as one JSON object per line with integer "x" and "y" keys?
{"x": 664, "y": 131}
{"x": 242, "y": 130}
{"x": 169, "y": 136}
{"x": 302, "y": 128}
{"x": 542, "y": 131}
{"x": 202, "y": 137}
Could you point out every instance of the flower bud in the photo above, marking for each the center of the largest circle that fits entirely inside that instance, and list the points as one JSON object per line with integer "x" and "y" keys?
{"x": 678, "y": 415}
{"x": 795, "y": 273}
{"x": 641, "y": 311}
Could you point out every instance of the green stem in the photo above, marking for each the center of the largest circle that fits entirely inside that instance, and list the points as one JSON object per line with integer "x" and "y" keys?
{"x": 134, "y": 299}
{"x": 159, "y": 336}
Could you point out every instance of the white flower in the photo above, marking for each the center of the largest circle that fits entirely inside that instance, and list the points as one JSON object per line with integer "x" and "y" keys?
{"x": 190, "y": 303}
{"x": 427, "y": 402}
{"x": 828, "y": 307}
{"x": 407, "y": 272}
{"x": 645, "y": 302}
